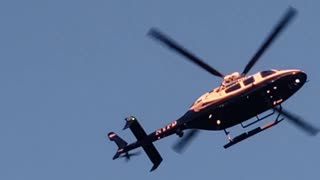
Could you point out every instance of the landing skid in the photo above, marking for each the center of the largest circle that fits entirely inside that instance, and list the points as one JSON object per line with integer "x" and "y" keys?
{"x": 243, "y": 136}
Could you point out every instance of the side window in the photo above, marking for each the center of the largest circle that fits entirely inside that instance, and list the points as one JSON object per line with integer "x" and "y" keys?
{"x": 233, "y": 88}
{"x": 248, "y": 80}
{"x": 266, "y": 73}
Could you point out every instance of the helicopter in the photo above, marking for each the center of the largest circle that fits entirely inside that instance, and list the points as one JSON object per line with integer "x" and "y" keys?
{"x": 239, "y": 97}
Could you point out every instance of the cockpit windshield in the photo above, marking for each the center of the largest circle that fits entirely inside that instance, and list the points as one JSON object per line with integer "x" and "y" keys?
{"x": 267, "y": 73}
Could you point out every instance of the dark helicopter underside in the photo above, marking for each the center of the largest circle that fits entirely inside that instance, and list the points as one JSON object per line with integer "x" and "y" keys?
{"x": 242, "y": 107}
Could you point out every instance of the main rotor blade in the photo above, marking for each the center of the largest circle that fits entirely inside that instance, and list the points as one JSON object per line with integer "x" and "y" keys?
{"x": 181, "y": 145}
{"x": 289, "y": 15}
{"x": 299, "y": 122}
{"x": 166, "y": 40}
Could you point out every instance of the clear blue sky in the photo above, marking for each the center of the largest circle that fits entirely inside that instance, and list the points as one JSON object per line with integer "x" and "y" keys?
{"x": 71, "y": 70}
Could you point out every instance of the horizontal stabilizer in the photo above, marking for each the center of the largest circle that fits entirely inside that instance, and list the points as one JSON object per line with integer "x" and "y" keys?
{"x": 135, "y": 127}
{"x": 141, "y": 135}
{"x": 153, "y": 155}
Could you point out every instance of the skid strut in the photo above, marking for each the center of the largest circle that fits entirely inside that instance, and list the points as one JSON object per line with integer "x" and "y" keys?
{"x": 243, "y": 136}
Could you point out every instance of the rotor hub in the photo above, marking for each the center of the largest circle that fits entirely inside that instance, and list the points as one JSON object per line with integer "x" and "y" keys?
{"x": 231, "y": 78}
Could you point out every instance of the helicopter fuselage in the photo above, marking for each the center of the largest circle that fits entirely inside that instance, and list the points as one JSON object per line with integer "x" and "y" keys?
{"x": 239, "y": 101}
{"x": 225, "y": 107}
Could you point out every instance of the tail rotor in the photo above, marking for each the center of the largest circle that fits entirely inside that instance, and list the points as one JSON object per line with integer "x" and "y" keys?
{"x": 128, "y": 155}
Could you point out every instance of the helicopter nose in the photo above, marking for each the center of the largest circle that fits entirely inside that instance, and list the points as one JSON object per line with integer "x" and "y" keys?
{"x": 298, "y": 77}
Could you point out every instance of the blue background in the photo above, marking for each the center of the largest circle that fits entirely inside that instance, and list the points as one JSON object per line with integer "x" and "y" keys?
{"x": 71, "y": 70}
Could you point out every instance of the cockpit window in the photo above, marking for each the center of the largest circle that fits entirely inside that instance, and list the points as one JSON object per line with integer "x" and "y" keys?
{"x": 266, "y": 73}
{"x": 249, "y": 80}
{"x": 233, "y": 88}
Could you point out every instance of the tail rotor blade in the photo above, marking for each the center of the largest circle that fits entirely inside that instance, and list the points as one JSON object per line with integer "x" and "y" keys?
{"x": 128, "y": 156}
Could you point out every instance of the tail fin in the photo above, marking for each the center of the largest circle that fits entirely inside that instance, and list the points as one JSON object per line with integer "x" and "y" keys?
{"x": 119, "y": 141}
{"x": 141, "y": 135}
